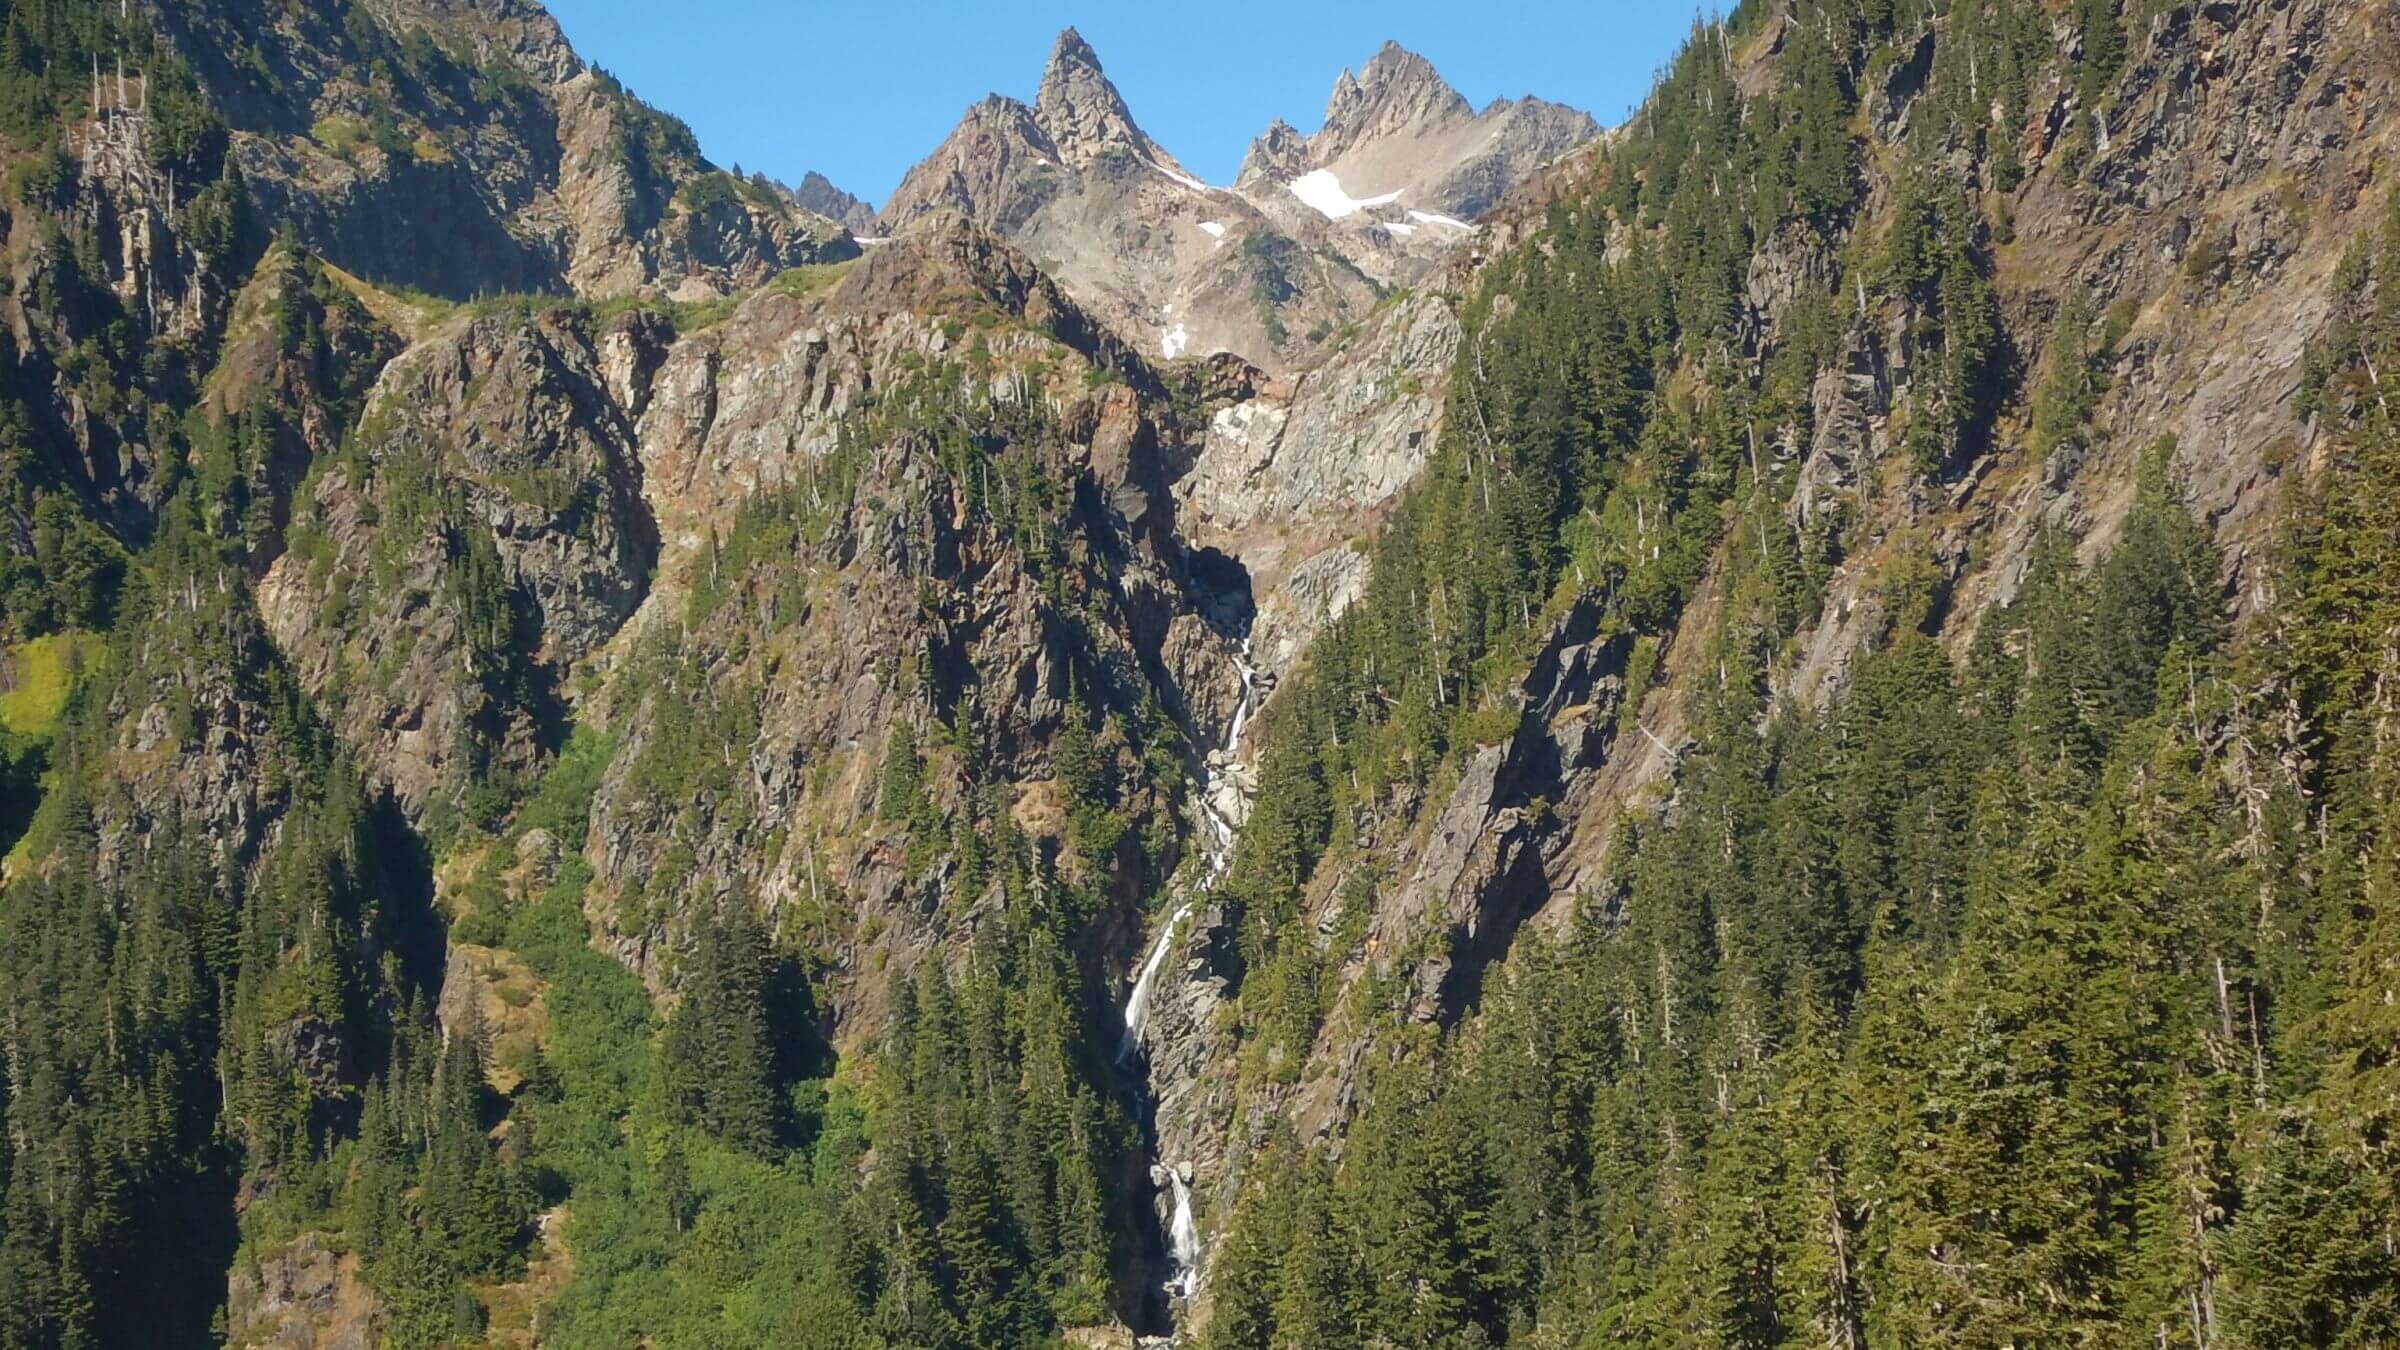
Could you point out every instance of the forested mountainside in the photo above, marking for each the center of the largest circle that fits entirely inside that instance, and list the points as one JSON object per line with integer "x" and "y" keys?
{"x": 1799, "y": 745}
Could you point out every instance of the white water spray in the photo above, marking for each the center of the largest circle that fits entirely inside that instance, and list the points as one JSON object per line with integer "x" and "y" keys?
{"x": 1183, "y": 1231}
{"x": 1137, "y": 1007}
{"x": 1241, "y": 707}
{"x": 1220, "y": 853}
{"x": 1183, "y": 1239}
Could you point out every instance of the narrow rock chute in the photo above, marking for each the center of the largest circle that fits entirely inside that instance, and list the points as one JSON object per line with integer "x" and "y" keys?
{"x": 1218, "y": 820}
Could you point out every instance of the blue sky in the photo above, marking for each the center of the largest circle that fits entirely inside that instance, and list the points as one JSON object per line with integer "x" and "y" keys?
{"x": 859, "y": 91}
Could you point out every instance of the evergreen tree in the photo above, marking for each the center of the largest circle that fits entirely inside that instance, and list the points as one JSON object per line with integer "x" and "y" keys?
{"x": 716, "y": 1062}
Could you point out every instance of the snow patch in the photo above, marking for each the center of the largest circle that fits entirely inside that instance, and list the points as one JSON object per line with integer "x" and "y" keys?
{"x": 1172, "y": 341}
{"x": 1184, "y": 178}
{"x": 1321, "y": 191}
{"x": 1437, "y": 218}
{"x": 1396, "y": 228}
{"x": 1215, "y": 228}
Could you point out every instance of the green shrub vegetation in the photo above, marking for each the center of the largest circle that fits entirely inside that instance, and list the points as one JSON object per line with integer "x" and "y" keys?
{"x": 2034, "y": 986}
{"x": 42, "y": 670}
{"x": 2027, "y": 997}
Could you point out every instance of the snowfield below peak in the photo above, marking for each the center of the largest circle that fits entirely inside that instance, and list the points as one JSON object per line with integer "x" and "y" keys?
{"x": 1323, "y": 193}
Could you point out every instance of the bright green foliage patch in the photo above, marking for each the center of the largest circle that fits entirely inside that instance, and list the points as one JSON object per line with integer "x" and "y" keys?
{"x": 44, "y": 669}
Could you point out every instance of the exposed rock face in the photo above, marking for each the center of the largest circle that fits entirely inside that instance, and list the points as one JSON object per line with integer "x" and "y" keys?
{"x": 1157, "y": 254}
{"x": 531, "y": 496}
{"x": 816, "y": 193}
{"x": 1402, "y": 168}
{"x": 155, "y": 246}
{"x": 461, "y": 147}
{"x": 997, "y": 145}
{"x": 286, "y": 407}
{"x": 1277, "y": 458}
{"x": 2213, "y": 98}
{"x": 1285, "y": 482}
{"x": 2219, "y": 101}
{"x": 643, "y": 211}
{"x": 1479, "y": 871}
{"x": 1280, "y": 152}
{"x": 520, "y": 32}
{"x": 1397, "y": 130}
{"x": 756, "y": 410}
{"x": 304, "y": 1296}
{"x": 193, "y": 742}
{"x": 1252, "y": 269}
{"x": 1082, "y": 112}
{"x": 1395, "y": 93}
{"x": 400, "y": 603}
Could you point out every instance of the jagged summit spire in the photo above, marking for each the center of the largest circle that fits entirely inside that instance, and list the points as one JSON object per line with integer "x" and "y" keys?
{"x": 1071, "y": 49}
{"x": 1395, "y": 63}
{"x": 1080, "y": 109}
{"x": 1280, "y": 152}
{"x": 1395, "y": 92}
{"x": 1394, "y": 85}
{"x": 815, "y": 192}
{"x": 1345, "y": 89}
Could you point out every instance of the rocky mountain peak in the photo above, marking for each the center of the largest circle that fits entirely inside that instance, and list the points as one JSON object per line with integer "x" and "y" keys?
{"x": 1083, "y": 113}
{"x": 908, "y": 669}
{"x": 818, "y": 193}
{"x": 1279, "y": 152}
{"x": 1386, "y": 188}
{"x": 1396, "y": 92}
{"x": 1071, "y": 51}
{"x": 998, "y": 143}
{"x": 1396, "y": 72}
{"x": 1397, "y": 137}
{"x": 519, "y": 31}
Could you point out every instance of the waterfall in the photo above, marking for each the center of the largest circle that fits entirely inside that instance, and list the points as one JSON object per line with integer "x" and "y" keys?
{"x": 1183, "y": 1237}
{"x": 1241, "y": 707}
{"x": 1220, "y": 853}
{"x": 1137, "y": 1007}
{"x": 1220, "y": 829}
{"x": 1183, "y": 1230}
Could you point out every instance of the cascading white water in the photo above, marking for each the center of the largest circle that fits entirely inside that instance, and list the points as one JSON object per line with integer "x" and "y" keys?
{"x": 1220, "y": 853}
{"x": 1183, "y": 1231}
{"x": 1137, "y": 1007}
{"x": 1241, "y": 707}
{"x": 1183, "y": 1238}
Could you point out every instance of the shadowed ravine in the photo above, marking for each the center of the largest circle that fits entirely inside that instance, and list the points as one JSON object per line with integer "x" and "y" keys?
{"x": 1775, "y": 726}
